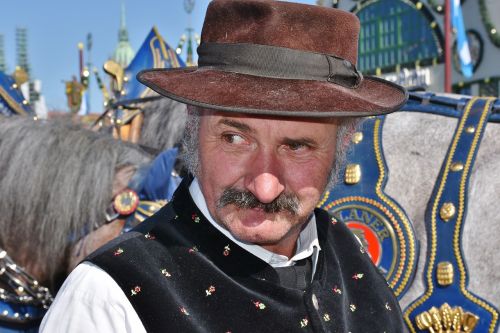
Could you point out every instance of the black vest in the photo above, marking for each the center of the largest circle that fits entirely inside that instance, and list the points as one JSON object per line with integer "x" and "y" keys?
{"x": 182, "y": 275}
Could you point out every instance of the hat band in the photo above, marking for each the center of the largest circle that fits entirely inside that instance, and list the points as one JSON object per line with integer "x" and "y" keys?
{"x": 278, "y": 62}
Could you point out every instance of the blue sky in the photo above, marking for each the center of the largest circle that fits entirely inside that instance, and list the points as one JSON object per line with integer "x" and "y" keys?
{"x": 55, "y": 27}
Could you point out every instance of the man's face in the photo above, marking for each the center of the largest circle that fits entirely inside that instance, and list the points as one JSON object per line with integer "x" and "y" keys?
{"x": 263, "y": 176}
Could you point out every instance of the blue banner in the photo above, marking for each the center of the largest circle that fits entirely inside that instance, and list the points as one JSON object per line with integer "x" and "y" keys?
{"x": 457, "y": 22}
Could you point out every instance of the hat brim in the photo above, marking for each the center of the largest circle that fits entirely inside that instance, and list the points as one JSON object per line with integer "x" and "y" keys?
{"x": 234, "y": 92}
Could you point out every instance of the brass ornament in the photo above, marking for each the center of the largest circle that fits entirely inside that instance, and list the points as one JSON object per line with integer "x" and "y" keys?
{"x": 470, "y": 129}
{"x": 357, "y": 137}
{"x": 116, "y": 71}
{"x": 352, "y": 174}
{"x": 446, "y": 319}
{"x": 456, "y": 166}
{"x": 126, "y": 202}
{"x": 444, "y": 273}
{"x": 447, "y": 211}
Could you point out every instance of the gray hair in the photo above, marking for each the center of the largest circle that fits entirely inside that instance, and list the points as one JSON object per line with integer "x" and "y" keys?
{"x": 190, "y": 141}
{"x": 163, "y": 125}
{"x": 56, "y": 182}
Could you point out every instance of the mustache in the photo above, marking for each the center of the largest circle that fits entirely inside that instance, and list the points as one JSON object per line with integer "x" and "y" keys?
{"x": 245, "y": 199}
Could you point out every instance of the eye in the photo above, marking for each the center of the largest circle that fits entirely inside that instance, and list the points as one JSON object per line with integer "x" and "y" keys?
{"x": 233, "y": 138}
{"x": 296, "y": 146}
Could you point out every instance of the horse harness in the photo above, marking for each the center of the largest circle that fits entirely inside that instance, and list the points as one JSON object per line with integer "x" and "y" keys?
{"x": 23, "y": 301}
{"x": 386, "y": 230}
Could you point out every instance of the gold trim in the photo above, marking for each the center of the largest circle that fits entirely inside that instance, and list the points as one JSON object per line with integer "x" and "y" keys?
{"x": 406, "y": 224}
{"x": 11, "y": 102}
{"x": 385, "y": 199}
{"x": 456, "y": 245}
{"x": 461, "y": 209}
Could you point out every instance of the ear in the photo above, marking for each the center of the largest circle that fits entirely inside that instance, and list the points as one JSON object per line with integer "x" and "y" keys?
{"x": 122, "y": 178}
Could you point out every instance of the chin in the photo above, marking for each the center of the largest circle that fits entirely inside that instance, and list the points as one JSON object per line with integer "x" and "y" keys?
{"x": 260, "y": 228}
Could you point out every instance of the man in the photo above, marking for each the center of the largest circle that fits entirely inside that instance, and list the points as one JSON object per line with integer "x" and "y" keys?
{"x": 240, "y": 248}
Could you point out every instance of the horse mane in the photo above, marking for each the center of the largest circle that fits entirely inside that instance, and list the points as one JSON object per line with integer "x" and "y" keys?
{"x": 164, "y": 122}
{"x": 56, "y": 182}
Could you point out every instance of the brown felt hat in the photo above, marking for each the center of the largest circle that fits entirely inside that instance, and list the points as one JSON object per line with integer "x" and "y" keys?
{"x": 278, "y": 58}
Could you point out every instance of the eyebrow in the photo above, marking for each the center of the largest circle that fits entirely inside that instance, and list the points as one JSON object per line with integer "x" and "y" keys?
{"x": 236, "y": 124}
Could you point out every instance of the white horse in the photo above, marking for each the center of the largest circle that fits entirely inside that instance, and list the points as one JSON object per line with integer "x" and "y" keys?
{"x": 415, "y": 145}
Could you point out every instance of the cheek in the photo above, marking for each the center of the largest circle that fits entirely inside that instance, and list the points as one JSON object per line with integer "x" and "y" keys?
{"x": 311, "y": 177}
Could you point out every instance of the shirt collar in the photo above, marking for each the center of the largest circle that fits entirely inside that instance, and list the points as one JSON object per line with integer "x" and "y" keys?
{"x": 307, "y": 243}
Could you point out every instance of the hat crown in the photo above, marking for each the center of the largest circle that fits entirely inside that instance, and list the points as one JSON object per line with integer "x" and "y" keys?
{"x": 283, "y": 24}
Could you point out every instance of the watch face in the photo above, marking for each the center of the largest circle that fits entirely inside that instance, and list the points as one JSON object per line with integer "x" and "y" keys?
{"x": 475, "y": 48}
{"x": 438, "y": 5}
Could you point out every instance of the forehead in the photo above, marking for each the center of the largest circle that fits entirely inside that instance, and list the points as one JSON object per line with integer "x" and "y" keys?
{"x": 253, "y": 123}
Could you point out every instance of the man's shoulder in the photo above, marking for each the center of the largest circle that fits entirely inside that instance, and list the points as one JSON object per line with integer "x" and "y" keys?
{"x": 143, "y": 230}
{"x": 90, "y": 300}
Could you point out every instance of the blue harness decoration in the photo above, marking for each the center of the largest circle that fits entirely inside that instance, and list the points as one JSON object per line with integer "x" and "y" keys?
{"x": 380, "y": 223}
{"x": 447, "y": 305}
{"x": 153, "y": 186}
{"x": 12, "y": 101}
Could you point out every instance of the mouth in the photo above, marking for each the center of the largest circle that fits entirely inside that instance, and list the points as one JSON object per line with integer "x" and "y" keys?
{"x": 285, "y": 202}
{"x": 253, "y": 217}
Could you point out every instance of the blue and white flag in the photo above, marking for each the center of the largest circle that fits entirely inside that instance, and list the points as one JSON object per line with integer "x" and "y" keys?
{"x": 457, "y": 21}
{"x": 83, "y": 111}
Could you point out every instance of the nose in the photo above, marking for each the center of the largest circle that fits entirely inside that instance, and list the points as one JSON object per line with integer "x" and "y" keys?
{"x": 264, "y": 181}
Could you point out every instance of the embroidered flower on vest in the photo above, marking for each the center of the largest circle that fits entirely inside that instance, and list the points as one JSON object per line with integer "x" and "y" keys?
{"x": 118, "y": 251}
{"x": 165, "y": 272}
{"x": 195, "y": 218}
{"x": 227, "y": 250}
{"x": 149, "y": 236}
{"x": 304, "y": 322}
{"x": 210, "y": 291}
{"x": 135, "y": 291}
{"x": 259, "y": 305}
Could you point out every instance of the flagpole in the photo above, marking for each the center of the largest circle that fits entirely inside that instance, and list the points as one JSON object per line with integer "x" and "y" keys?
{"x": 447, "y": 46}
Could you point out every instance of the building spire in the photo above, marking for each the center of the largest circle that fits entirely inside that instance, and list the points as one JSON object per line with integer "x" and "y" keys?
{"x": 123, "y": 33}
{"x": 123, "y": 52}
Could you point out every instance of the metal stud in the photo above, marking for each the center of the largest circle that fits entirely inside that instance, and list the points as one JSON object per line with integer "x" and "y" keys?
{"x": 447, "y": 211}
{"x": 352, "y": 174}
{"x": 470, "y": 129}
{"x": 357, "y": 137}
{"x": 456, "y": 166}
{"x": 444, "y": 273}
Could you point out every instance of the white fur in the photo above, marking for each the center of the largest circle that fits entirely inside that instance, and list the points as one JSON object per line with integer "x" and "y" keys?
{"x": 415, "y": 145}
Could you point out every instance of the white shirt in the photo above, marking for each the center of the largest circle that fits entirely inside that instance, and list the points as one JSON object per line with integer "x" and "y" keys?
{"x": 91, "y": 301}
